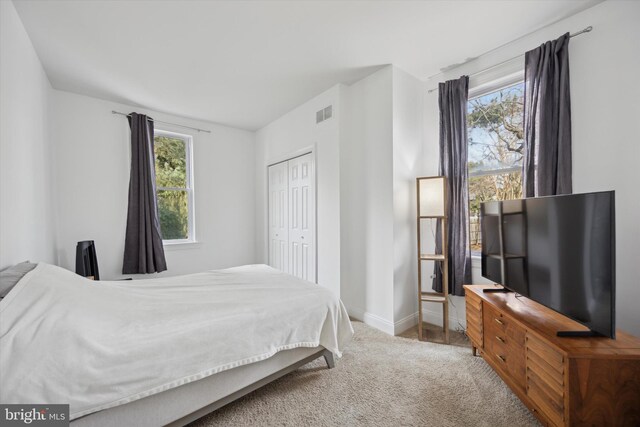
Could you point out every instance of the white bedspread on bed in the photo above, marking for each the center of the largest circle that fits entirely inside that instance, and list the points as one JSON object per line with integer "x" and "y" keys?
{"x": 95, "y": 345}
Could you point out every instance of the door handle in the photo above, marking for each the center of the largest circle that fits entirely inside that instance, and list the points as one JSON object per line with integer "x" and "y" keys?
{"x": 500, "y": 339}
{"x": 499, "y": 321}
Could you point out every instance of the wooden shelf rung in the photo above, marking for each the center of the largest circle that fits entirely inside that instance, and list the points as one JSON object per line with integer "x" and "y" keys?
{"x": 432, "y": 257}
{"x": 433, "y": 297}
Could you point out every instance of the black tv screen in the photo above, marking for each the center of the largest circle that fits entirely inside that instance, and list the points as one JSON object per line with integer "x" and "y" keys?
{"x": 556, "y": 250}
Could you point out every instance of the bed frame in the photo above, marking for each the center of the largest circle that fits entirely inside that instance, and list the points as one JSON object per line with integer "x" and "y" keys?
{"x": 182, "y": 405}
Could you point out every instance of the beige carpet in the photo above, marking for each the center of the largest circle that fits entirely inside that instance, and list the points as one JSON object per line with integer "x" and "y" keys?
{"x": 382, "y": 381}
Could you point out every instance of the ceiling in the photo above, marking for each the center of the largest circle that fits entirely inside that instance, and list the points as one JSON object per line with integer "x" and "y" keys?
{"x": 246, "y": 63}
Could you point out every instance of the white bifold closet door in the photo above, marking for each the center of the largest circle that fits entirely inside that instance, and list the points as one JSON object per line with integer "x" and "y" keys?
{"x": 278, "y": 216}
{"x": 292, "y": 217}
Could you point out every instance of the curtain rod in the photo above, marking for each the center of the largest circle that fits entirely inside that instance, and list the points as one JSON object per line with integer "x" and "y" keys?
{"x": 586, "y": 30}
{"x": 166, "y": 123}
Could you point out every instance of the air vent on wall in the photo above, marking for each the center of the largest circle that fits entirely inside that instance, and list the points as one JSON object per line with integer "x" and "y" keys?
{"x": 324, "y": 114}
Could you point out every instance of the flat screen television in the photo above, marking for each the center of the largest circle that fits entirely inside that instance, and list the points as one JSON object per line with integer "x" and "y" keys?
{"x": 558, "y": 251}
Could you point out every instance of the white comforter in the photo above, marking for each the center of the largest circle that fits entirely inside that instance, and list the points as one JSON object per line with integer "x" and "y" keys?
{"x": 95, "y": 345}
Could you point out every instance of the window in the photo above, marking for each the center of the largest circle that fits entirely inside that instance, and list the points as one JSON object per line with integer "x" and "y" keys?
{"x": 174, "y": 186}
{"x": 496, "y": 142}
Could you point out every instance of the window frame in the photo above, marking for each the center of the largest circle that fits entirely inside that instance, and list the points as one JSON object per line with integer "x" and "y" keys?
{"x": 478, "y": 91}
{"x": 189, "y": 187}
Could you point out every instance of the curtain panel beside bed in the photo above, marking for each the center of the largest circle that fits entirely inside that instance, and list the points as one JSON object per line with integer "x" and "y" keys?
{"x": 143, "y": 250}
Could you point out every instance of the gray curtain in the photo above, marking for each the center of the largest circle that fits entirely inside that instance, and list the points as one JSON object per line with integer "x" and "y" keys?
{"x": 547, "y": 120}
{"x": 143, "y": 250}
{"x": 453, "y": 96}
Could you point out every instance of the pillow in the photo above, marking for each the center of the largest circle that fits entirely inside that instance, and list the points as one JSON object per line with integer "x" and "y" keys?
{"x": 12, "y": 275}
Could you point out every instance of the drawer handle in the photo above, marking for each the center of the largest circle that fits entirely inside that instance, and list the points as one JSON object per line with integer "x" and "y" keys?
{"x": 500, "y": 339}
{"x": 499, "y": 321}
{"x": 504, "y": 359}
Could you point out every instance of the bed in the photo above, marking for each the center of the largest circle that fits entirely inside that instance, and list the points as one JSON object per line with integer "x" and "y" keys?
{"x": 160, "y": 351}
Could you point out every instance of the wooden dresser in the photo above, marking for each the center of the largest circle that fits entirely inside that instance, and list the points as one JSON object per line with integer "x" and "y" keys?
{"x": 563, "y": 381}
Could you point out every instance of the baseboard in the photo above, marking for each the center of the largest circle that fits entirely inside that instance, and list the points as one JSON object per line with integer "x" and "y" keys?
{"x": 428, "y": 316}
{"x": 396, "y": 328}
{"x": 371, "y": 319}
{"x": 386, "y": 326}
{"x": 406, "y": 323}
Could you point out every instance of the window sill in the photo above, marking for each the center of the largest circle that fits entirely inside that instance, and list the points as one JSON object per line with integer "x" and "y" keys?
{"x": 476, "y": 261}
{"x": 171, "y": 246}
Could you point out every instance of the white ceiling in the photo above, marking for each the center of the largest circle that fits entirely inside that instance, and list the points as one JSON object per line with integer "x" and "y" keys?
{"x": 245, "y": 63}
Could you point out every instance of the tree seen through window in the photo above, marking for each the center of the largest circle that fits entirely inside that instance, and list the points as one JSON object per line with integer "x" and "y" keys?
{"x": 172, "y": 182}
{"x": 496, "y": 142}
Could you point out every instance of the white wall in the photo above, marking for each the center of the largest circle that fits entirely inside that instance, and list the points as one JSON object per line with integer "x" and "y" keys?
{"x": 366, "y": 246}
{"x": 366, "y": 193}
{"x": 291, "y": 135}
{"x": 407, "y": 165}
{"x": 93, "y": 158}
{"x": 27, "y": 229}
{"x": 606, "y": 148}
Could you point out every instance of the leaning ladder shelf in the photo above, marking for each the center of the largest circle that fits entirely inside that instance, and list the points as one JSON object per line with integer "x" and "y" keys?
{"x": 442, "y": 259}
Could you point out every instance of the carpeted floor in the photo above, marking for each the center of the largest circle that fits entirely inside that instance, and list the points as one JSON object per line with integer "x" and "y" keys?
{"x": 382, "y": 381}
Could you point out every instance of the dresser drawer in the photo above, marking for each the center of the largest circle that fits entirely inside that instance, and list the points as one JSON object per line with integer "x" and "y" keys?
{"x": 501, "y": 329}
{"x": 495, "y": 320}
{"x": 504, "y": 343}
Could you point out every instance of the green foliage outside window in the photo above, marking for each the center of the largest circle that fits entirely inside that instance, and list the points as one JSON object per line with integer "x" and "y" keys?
{"x": 171, "y": 182}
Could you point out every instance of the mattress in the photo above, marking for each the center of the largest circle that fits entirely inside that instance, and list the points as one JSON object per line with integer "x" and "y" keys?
{"x": 98, "y": 345}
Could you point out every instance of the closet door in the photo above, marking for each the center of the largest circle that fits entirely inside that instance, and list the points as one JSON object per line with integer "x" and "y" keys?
{"x": 302, "y": 257}
{"x": 278, "y": 217}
